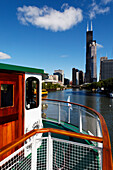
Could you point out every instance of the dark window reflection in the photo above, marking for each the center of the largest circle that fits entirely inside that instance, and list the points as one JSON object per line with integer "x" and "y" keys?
{"x": 32, "y": 93}
{"x": 6, "y": 95}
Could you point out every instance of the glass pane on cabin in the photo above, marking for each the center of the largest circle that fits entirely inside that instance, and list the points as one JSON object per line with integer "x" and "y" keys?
{"x": 32, "y": 93}
{"x": 6, "y": 95}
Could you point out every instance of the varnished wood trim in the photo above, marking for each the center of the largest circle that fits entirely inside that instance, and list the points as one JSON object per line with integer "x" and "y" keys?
{"x": 23, "y": 138}
{"x": 76, "y": 135}
{"x": 8, "y": 118}
{"x": 19, "y": 141}
{"x": 23, "y": 101}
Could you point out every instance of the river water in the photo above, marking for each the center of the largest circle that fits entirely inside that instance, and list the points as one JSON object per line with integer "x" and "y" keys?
{"x": 99, "y": 102}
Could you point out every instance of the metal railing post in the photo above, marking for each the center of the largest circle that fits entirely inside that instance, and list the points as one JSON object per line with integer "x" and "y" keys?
{"x": 99, "y": 132}
{"x": 34, "y": 154}
{"x": 69, "y": 115}
{"x": 59, "y": 114}
{"x": 49, "y": 163}
{"x": 80, "y": 121}
{"x": 100, "y": 158}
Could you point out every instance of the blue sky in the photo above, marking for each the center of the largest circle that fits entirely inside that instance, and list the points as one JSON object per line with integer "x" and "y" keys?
{"x": 51, "y": 34}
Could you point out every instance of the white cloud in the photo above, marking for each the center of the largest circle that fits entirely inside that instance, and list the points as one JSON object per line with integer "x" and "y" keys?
{"x": 106, "y": 1}
{"x": 64, "y": 56}
{"x": 49, "y": 18}
{"x": 99, "y": 45}
{"x": 4, "y": 56}
{"x": 97, "y": 9}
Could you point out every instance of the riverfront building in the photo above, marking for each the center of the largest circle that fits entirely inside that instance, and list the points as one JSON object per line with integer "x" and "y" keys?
{"x": 81, "y": 77}
{"x": 91, "y": 66}
{"x": 60, "y": 74}
{"x": 53, "y": 77}
{"x": 106, "y": 69}
{"x": 66, "y": 81}
{"x": 101, "y": 59}
{"x": 77, "y": 77}
{"x": 74, "y": 76}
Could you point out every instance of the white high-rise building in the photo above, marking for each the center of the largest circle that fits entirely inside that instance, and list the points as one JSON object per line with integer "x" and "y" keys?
{"x": 53, "y": 77}
{"x": 60, "y": 74}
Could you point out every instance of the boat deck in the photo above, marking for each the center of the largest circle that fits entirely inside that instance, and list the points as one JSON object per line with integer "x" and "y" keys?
{"x": 49, "y": 153}
{"x": 62, "y": 145}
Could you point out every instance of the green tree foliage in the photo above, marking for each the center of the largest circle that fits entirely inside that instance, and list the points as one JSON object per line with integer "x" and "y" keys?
{"x": 43, "y": 86}
{"x": 51, "y": 86}
{"x": 106, "y": 84}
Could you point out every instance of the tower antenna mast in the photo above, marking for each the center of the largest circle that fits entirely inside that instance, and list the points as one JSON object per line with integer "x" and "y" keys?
{"x": 87, "y": 27}
{"x": 91, "y": 26}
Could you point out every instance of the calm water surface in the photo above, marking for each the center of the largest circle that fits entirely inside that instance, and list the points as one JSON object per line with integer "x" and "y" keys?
{"x": 99, "y": 102}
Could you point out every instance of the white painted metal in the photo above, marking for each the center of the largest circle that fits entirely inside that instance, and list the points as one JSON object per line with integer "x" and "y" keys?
{"x": 49, "y": 152}
{"x": 78, "y": 144}
{"x": 34, "y": 154}
{"x": 80, "y": 121}
{"x": 99, "y": 131}
{"x": 69, "y": 115}
{"x": 17, "y": 154}
{"x": 78, "y": 111}
{"x": 59, "y": 114}
{"x": 63, "y": 149}
{"x": 73, "y": 155}
{"x": 33, "y": 116}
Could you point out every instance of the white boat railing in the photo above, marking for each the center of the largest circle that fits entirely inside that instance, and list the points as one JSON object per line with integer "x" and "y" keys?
{"x": 48, "y": 153}
{"x": 85, "y": 120}
{"x": 97, "y": 127}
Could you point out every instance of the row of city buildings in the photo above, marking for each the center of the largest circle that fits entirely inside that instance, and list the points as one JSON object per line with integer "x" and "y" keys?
{"x": 78, "y": 77}
{"x": 57, "y": 78}
{"x": 90, "y": 76}
{"x": 106, "y": 72}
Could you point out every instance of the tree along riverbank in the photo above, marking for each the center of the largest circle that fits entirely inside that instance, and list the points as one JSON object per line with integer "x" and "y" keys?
{"x": 105, "y": 85}
{"x": 53, "y": 87}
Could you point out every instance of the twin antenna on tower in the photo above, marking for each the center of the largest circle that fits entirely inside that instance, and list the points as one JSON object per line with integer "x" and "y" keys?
{"x": 88, "y": 27}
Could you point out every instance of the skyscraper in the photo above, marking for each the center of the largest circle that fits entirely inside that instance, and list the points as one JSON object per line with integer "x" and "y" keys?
{"x": 91, "y": 68}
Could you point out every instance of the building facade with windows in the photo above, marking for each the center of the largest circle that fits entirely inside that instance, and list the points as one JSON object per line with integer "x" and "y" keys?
{"x": 106, "y": 69}
{"x": 60, "y": 74}
{"x": 77, "y": 77}
{"x": 53, "y": 77}
{"x": 66, "y": 81}
{"x": 91, "y": 66}
{"x": 101, "y": 59}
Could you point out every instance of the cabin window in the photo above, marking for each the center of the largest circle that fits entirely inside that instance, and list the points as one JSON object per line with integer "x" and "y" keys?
{"x": 6, "y": 95}
{"x": 32, "y": 93}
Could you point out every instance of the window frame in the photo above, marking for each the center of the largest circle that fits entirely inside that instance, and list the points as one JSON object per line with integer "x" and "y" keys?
{"x": 8, "y": 83}
{"x": 37, "y": 92}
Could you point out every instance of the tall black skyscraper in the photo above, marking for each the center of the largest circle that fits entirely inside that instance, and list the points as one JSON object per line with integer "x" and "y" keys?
{"x": 77, "y": 77}
{"x": 91, "y": 70}
{"x": 74, "y": 76}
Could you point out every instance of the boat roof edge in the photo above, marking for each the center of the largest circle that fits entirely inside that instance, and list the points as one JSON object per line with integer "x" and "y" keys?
{"x": 20, "y": 68}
